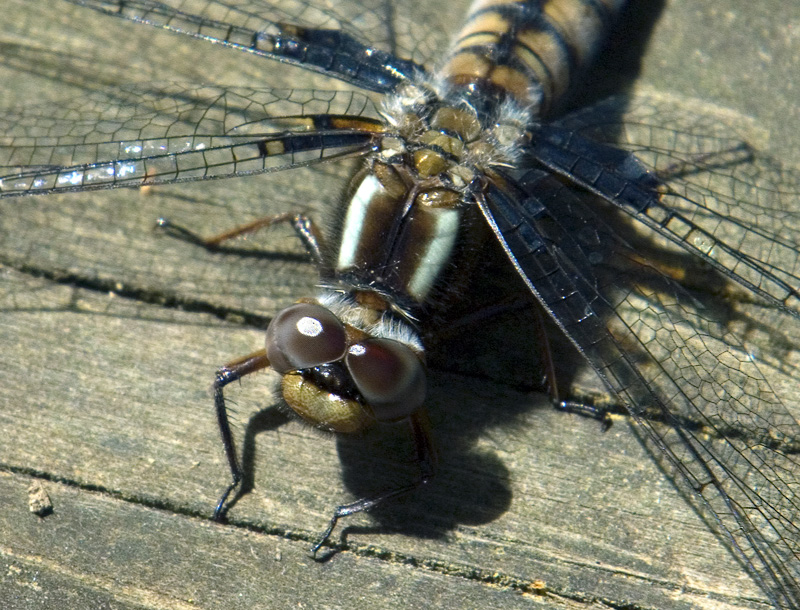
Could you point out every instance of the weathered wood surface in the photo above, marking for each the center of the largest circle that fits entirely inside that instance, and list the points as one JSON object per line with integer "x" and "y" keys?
{"x": 106, "y": 399}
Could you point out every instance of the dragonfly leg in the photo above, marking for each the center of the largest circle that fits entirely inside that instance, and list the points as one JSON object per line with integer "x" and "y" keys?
{"x": 228, "y": 373}
{"x": 601, "y": 414}
{"x": 308, "y": 233}
{"x": 426, "y": 461}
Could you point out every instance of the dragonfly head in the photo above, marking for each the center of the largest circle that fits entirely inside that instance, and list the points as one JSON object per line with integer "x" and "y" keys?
{"x": 343, "y": 376}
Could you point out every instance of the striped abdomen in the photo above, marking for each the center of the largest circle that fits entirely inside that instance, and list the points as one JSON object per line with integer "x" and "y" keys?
{"x": 530, "y": 49}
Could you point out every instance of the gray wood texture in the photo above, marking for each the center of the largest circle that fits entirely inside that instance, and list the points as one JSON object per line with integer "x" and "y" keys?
{"x": 105, "y": 397}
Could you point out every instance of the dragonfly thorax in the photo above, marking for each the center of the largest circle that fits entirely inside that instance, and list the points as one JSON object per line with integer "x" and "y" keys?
{"x": 446, "y": 134}
{"x": 409, "y": 209}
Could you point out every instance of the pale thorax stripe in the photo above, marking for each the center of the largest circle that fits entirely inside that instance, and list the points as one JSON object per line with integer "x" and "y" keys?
{"x": 355, "y": 219}
{"x": 437, "y": 252}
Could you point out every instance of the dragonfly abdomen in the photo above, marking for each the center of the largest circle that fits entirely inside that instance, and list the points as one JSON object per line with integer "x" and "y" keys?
{"x": 530, "y": 50}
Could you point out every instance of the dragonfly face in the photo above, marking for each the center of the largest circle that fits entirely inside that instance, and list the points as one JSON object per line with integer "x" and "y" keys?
{"x": 337, "y": 376}
{"x": 437, "y": 161}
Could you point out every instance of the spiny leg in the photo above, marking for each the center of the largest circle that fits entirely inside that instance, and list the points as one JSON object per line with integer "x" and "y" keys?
{"x": 228, "y": 373}
{"x": 426, "y": 461}
{"x": 308, "y": 233}
{"x": 549, "y": 380}
{"x": 313, "y": 242}
{"x": 601, "y": 414}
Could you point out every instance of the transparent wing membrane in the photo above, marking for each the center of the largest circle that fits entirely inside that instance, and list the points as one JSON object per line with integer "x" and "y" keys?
{"x": 179, "y": 133}
{"x": 329, "y": 39}
{"x": 721, "y": 200}
{"x": 681, "y": 364}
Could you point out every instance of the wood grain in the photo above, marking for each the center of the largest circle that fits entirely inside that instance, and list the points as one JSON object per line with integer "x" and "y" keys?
{"x": 110, "y": 334}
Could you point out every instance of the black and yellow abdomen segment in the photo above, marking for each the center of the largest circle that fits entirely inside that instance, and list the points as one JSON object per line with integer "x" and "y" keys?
{"x": 531, "y": 50}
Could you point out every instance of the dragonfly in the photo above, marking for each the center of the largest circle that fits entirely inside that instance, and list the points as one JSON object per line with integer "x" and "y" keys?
{"x": 558, "y": 196}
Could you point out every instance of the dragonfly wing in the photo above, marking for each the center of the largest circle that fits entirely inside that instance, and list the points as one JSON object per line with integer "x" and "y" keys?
{"x": 372, "y": 44}
{"x": 718, "y": 198}
{"x": 175, "y": 133}
{"x": 680, "y": 364}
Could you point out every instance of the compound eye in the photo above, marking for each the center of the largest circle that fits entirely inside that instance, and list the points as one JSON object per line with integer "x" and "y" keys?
{"x": 304, "y": 336}
{"x": 388, "y": 375}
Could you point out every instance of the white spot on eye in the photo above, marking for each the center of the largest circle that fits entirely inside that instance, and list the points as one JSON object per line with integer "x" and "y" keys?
{"x": 308, "y": 326}
{"x": 357, "y": 350}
